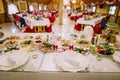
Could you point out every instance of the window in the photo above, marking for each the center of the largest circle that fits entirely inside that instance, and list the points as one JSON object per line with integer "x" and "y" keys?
{"x": 22, "y": 6}
{"x": 66, "y": 2}
{"x": 45, "y": 7}
{"x": 68, "y": 8}
{"x": 93, "y": 8}
{"x": 12, "y": 9}
{"x": 112, "y": 10}
{"x": 85, "y": 7}
{"x": 31, "y": 8}
{"x": 40, "y": 7}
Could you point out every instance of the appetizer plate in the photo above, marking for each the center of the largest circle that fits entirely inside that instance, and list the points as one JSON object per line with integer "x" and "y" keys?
{"x": 13, "y": 37}
{"x": 46, "y": 47}
{"x": 83, "y": 43}
{"x": 25, "y": 43}
{"x": 10, "y": 43}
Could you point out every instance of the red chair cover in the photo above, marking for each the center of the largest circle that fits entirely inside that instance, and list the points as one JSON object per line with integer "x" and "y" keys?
{"x": 52, "y": 19}
{"x": 97, "y": 29}
{"x": 76, "y": 18}
{"x": 29, "y": 30}
{"x": 30, "y": 12}
{"x": 71, "y": 18}
{"x": 108, "y": 17}
{"x": 85, "y": 13}
{"x": 80, "y": 16}
{"x": 49, "y": 29}
{"x": 69, "y": 14}
{"x": 78, "y": 27}
{"x": 91, "y": 13}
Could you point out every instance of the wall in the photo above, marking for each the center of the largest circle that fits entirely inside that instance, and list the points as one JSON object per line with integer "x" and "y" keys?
{"x": 104, "y": 10}
{"x": 118, "y": 18}
{"x": 1, "y": 7}
{"x": 2, "y": 12}
{"x": 119, "y": 12}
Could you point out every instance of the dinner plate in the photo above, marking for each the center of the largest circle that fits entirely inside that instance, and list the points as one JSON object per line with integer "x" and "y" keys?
{"x": 103, "y": 65}
{"x": 13, "y": 60}
{"x": 116, "y": 56}
{"x": 71, "y": 61}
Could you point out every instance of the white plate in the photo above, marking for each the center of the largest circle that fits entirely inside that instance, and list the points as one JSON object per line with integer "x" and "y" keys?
{"x": 105, "y": 65}
{"x": 71, "y": 61}
{"x": 13, "y": 60}
{"x": 116, "y": 56}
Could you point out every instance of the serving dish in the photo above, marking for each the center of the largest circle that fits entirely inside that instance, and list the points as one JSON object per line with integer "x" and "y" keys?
{"x": 102, "y": 49}
{"x": 83, "y": 43}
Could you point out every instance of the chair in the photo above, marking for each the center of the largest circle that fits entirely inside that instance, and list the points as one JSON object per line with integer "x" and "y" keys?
{"x": 70, "y": 14}
{"x": 97, "y": 29}
{"x": 91, "y": 13}
{"x": 103, "y": 23}
{"x": 52, "y": 19}
{"x": 80, "y": 16}
{"x": 49, "y": 28}
{"x": 76, "y": 18}
{"x": 78, "y": 27}
{"x": 88, "y": 32}
{"x": 29, "y": 30}
{"x": 71, "y": 17}
{"x": 22, "y": 22}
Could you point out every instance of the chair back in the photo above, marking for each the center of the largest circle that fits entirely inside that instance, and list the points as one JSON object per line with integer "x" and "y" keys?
{"x": 103, "y": 23}
{"x": 88, "y": 32}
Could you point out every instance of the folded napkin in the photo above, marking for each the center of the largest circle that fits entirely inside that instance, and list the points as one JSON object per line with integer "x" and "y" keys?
{"x": 75, "y": 60}
{"x": 72, "y": 61}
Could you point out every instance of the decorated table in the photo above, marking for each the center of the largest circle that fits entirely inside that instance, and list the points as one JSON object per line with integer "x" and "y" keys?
{"x": 91, "y": 21}
{"x": 39, "y": 52}
{"x": 33, "y": 22}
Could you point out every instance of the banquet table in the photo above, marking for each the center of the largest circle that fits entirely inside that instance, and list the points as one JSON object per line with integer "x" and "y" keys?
{"x": 40, "y": 61}
{"x": 91, "y": 22}
{"x": 76, "y": 14}
{"x": 32, "y": 23}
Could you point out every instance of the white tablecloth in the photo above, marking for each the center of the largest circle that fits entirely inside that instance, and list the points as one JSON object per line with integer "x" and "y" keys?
{"x": 76, "y": 14}
{"x": 46, "y": 62}
{"x": 32, "y": 22}
{"x": 92, "y": 22}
